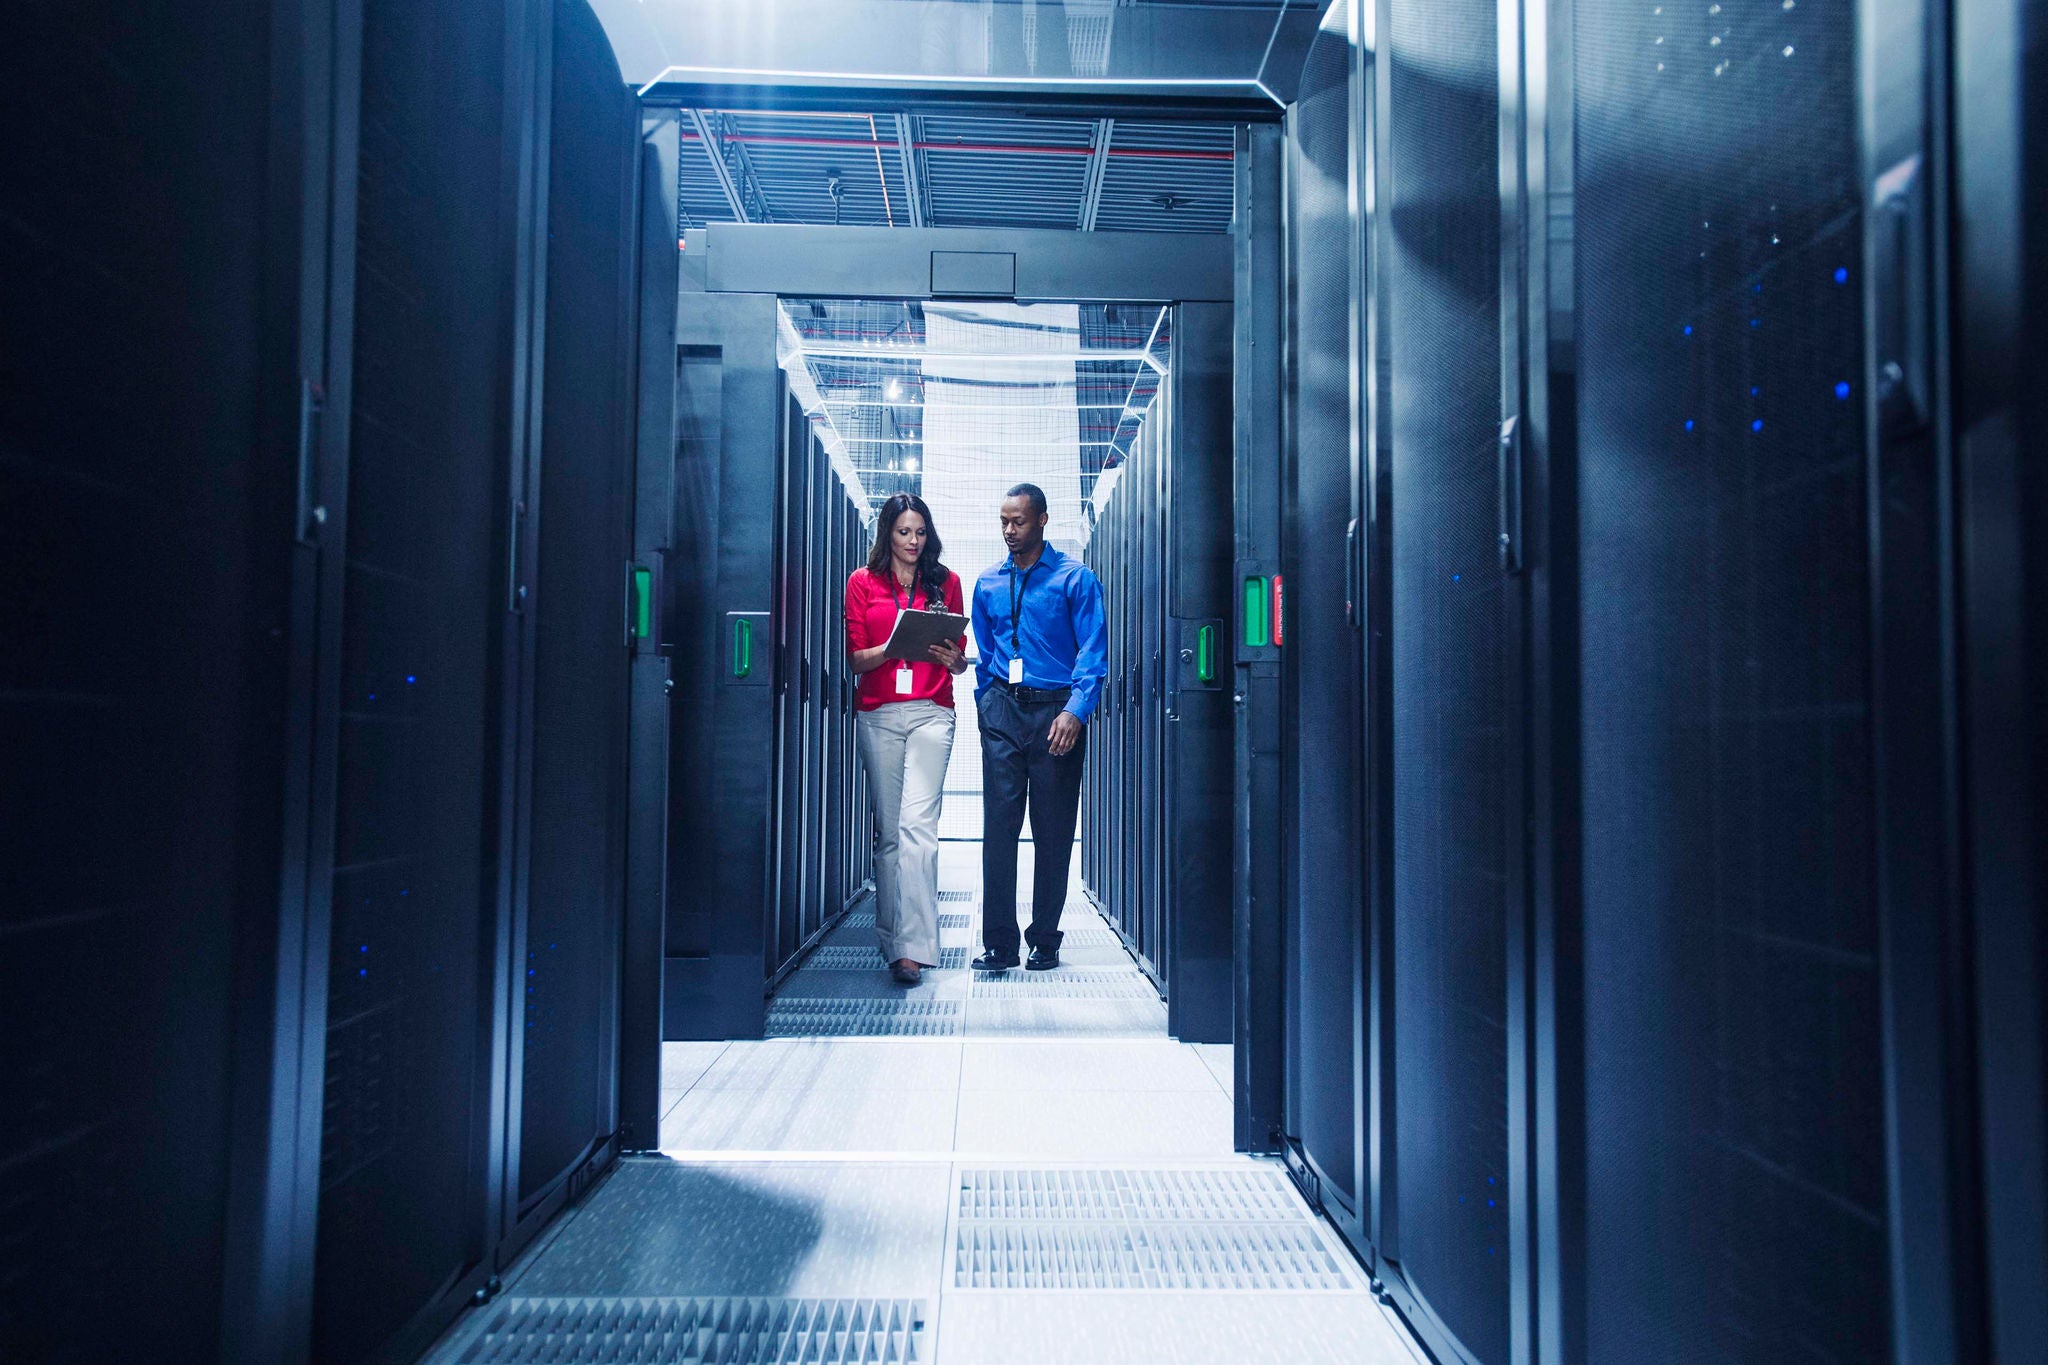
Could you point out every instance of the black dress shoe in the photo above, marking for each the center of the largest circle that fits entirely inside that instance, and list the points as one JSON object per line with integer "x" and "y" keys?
{"x": 1043, "y": 960}
{"x": 993, "y": 961}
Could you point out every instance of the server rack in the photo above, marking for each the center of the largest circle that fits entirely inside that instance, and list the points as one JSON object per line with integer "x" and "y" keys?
{"x": 380, "y": 643}
{"x": 1652, "y": 469}
{"x": 1324, "y": 744}
{"x": 1158, "y": 784}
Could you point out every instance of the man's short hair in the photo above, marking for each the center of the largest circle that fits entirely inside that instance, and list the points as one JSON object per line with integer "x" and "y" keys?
{"x": 1034, "y": 493}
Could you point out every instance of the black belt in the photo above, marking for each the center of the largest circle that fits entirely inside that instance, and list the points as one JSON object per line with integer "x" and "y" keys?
{"x": 1033, "y": 696}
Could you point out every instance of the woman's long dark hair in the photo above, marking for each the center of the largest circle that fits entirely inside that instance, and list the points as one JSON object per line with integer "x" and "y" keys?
{"x": 928, "y": 566}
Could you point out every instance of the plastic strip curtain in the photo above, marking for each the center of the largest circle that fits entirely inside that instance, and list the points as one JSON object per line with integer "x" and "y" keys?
{"x": 989, "y": 425}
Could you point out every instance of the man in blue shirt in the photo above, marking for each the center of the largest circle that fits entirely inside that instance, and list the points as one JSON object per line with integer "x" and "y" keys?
{"x": 1044, "y": 648}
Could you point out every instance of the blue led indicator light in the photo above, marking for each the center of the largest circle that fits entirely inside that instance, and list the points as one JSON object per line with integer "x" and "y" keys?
{"x": 1842, "y": 389}
{"x": 410, "y": 680}
{"x": 1757, "y": 425}
{"x": 1841, "y": 274}
{"x": 362, "y": 971}
{"x": 373, "y": 696}
{"x": 364, "y": 949}
{"x": 1688, "y": 329}
{"x": 1456, "y": 577}
{"x": 1490, "y": 1203}
{"x": 1688, "y": 424}
{"x": 1753, "y": 391}
{"x": 1756, "y": 322}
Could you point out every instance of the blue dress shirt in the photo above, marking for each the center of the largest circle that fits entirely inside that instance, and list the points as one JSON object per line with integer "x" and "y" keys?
{"x": 1061, "y": 632}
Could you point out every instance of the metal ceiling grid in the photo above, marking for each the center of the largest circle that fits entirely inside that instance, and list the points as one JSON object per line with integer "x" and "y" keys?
{"x": 1005, "y": 172}
{"x": 954, "y": 170}
{"x": 1184, "y": 185}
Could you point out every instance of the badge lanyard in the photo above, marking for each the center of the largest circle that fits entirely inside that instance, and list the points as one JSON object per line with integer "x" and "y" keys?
{"x": 903, "y": 673}
{"x": 1018, "y": 583}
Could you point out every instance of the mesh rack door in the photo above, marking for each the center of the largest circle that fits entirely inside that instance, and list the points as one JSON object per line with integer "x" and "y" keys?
{"x": 1450, "y": 654}
{"x": 1732, "y": 1020}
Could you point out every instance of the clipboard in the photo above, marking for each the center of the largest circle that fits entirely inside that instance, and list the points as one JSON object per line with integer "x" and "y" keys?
{"x": 916, "y": 632}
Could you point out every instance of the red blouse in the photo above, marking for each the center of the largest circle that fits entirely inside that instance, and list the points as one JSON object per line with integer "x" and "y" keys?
{"x": 871, "y": 607}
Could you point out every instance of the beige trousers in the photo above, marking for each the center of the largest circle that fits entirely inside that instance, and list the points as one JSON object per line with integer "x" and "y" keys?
{"x": 905, "y": 746}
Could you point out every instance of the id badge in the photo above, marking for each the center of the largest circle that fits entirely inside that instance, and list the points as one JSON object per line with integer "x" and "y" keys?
{"x": 1016, "y": 672}
{"x": 903, "y": 681}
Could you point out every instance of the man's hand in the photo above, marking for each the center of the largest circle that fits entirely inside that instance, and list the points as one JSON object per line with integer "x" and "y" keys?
{"x": 1066, "y": 731}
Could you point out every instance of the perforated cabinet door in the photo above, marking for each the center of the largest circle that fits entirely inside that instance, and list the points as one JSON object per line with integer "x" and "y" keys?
{"x": 1452, "y": 647}
{"x": 1733, "y": 1062}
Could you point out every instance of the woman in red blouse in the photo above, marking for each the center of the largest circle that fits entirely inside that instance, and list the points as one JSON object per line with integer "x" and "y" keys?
{"x": 905, "y": 729}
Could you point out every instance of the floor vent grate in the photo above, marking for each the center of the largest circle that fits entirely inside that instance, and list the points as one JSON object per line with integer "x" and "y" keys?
{"x": 848, "y": 958}
{"x": 623, "y": 1331}
{"x": 1276, "y": 1257}
{"x": 1138, "y": 1229}
{"x": 955, "y": 921}
{"x": 863, "y": 1018}
{"x": 956, "y": 895}
{"x": 859, "y": 919}
{"x": 1144, "y": 1195}
{"x": 1062, "y": 984}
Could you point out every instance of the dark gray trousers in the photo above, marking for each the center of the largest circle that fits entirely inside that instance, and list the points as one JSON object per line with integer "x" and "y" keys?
{"x": 1019, "y": 773}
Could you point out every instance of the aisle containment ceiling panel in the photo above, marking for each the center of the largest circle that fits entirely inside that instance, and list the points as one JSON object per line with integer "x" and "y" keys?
{"x": 897, "y": 168}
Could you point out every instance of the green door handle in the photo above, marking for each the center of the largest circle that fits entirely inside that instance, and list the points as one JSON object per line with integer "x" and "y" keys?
{"x": 643, "y": 603}
{"x": 742, "y": 648}
{"x": 1205, "y": 654}
{"x": 1257, "y": 597}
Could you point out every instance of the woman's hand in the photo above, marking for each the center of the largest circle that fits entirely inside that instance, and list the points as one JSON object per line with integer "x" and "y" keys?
{"x": 950, "y": 656}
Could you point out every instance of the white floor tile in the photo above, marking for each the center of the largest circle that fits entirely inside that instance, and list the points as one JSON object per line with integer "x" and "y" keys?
{"x": 1217, "y": 1057}
{"x": 873, "y": 1120}
{"x": 1110, "y": 1064}
{"x": 884, "y": 1066}
{"x": 683, "y": 1065}
{"x": 1041, "y": 1125}
{"x": 1153, "y": 1329}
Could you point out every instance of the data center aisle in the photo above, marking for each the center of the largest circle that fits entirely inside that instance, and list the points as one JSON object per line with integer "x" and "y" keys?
{"x": 1032, "y": 1171}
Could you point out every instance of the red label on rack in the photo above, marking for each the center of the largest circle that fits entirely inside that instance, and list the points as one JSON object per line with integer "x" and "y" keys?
{"x": 1279, "y": 613}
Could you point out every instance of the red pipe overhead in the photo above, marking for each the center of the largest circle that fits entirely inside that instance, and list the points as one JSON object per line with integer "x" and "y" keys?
{"x": 1000, "y": 148}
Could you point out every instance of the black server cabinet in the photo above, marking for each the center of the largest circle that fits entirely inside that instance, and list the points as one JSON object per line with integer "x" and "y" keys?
{"x": 1453, "y": 626}
{"x": 1154, "y": 851}
{"x": 408, "y": 1146}
{"x": 565, "y": 951}
{"x": 1324, "y": 683}
{"x": 1194, "y": 410}
{"x": 723, "y": 601}
{"x": 164, "y": 320}
{"x": 1733, "y": 1057}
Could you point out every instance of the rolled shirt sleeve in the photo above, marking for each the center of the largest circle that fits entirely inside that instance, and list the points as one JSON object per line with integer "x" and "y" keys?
{"x": 1091, "y": 643}
{"x": 856, "y": 612}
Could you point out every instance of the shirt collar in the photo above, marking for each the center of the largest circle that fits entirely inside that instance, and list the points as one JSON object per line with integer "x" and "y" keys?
{"x": 1048, "y": 558}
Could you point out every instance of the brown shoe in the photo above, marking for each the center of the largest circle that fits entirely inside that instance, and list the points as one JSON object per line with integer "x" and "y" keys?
{"x": 906, "y": 972}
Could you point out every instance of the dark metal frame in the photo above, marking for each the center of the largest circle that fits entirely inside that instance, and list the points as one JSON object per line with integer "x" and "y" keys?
{"x": 1260, "y": 1051}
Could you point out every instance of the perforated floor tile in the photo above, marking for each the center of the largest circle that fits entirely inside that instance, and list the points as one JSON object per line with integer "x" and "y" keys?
{"x": 1068, "y": 1194}
{"x": 848, "y": 958}
{"x": 672, "y": 1331}
{"x": 956, "y": 895}
{"x": 819, "y": 1018}
{"x": 954, "y": 921}
{"x": 1103, "y": 1255}
{"x": 1066, "y": 983}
